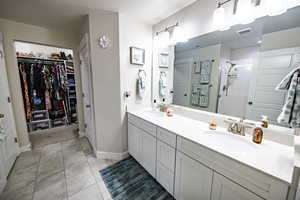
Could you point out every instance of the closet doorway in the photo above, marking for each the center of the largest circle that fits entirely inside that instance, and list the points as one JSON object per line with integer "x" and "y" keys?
{"x": 47, "y": 78}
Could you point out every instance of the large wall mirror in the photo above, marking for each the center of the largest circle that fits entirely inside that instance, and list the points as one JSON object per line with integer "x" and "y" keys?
{"x": 233, "y": 72}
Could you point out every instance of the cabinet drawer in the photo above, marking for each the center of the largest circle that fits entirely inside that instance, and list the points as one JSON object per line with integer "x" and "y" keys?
{"x": 167, "y": 137}
{"x": 166, "y": 155}
{"x": 252, "y": 179}
{"x": 165, "y": 178}
{"x": 142, "y": 124}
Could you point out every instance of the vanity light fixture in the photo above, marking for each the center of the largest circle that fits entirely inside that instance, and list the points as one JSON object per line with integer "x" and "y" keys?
{"x": 219, "y": 19}
{"x": 245, "y": 12}
{"x": 162, "y": 38}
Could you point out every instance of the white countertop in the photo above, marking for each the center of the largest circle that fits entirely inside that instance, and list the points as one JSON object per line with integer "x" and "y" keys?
{"x": 269, "y": 157}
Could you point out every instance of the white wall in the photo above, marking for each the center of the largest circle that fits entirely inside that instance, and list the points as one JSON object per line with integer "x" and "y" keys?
{"x": 133, "y": 33}
{"x": 284, "y": 39}
{"x": 18, "y": 31}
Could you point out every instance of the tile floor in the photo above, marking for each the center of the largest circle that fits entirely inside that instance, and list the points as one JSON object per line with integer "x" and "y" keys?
{"x": 66, "y": 170}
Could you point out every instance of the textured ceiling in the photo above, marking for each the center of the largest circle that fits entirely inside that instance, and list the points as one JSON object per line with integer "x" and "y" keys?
{"x": 67, "y": 14}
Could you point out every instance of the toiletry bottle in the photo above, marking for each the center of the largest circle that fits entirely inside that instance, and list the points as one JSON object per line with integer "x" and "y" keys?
{"x": 258, "y": 135}
{"x": 264, "y": 121}
{"x": 154, "y": 105}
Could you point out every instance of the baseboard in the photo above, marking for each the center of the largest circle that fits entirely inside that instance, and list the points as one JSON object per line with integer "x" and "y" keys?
{"x": 25, "y": 148}
{"x": 111, "y": 156}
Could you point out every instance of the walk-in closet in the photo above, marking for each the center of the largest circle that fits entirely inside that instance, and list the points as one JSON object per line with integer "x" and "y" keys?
{"x": 47, "y": 79}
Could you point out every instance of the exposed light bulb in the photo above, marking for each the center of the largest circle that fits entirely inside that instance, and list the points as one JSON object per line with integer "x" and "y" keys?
{"x": 274, "y": 8}
{"x": 178, "y": 36}
{"x": 245, "y": 12}
{"x": 219, "y": 20}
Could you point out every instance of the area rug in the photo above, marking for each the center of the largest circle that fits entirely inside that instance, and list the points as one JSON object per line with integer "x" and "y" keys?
{"x": 128, "y": 180}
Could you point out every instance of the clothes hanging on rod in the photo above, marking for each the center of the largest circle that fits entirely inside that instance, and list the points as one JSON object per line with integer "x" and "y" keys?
{"x": 46, "y": 88}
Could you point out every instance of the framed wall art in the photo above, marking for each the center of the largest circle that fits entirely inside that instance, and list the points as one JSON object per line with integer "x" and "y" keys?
{"x": 137, "y": 56}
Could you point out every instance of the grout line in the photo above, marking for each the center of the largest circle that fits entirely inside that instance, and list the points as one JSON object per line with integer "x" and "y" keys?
{"x": 36, "y": 174}
{"x": 64, "y": 164}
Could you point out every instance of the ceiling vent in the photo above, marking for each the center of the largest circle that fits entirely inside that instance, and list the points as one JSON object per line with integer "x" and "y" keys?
{"x": 244, "y": 31}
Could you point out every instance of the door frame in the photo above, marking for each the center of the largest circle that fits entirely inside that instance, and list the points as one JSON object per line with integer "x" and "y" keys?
{"x": 9, "y": 160}
{"x": 84, "y": 43}
{"x": 188, "y": 61}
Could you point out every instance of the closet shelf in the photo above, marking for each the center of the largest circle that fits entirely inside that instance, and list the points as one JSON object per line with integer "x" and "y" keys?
{"x": 39, "y": 121}
{"x": 45, "y": 59}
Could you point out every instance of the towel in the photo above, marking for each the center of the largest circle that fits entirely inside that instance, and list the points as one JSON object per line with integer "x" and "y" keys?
{"x": 163, "y": 90}
{"x": 291, "y": 110}
{"x": 204, "y": 96}
{"x": 195, "y": 94}
{"x": 205, "y": 71}
{"x": 141, "y": 85}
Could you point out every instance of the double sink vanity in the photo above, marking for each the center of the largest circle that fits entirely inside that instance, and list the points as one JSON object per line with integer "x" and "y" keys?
{"x": 193, "y": 162}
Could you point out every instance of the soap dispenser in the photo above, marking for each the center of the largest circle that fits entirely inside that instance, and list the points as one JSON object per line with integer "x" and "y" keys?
{"x": 154, "y": 105}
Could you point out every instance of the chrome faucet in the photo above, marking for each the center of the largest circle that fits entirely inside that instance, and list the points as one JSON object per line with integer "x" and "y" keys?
{"x": 238, "y": 127}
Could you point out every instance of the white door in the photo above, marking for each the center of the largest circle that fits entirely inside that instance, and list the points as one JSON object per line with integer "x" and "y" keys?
{"x": 148, "y": 152}
{"x": 192, "y": 180}
{"x": 10, "y": 146}
{"x": 224, "y": 189}
{"x": 87, "y": 87}
{"x": 271, "y": 68}
{"x": 234, "y": 101}
{"x": 182, "y": 73}
{"x": 3, "y": 174}
{"x": 133, "y": 141}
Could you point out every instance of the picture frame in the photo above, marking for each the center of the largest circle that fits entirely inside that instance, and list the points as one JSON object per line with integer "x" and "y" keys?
{"x": 137, "y": 56}
{"x": 163, "y": 60}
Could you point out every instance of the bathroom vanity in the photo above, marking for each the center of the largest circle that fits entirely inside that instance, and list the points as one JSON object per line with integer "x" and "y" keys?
{"x": 192, "y": 162}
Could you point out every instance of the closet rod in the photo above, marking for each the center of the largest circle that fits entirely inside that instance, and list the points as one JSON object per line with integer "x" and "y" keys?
{"x": 48, "y": 59}
{"x": 39, "y": 61}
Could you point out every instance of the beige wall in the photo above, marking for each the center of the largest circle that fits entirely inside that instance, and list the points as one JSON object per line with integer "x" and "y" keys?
{"x": 113, "y": 75}
{"x": 284, "y": 39}
{"x": 106, "y": 81}
{"x": 17, "y": 31}
{"x": 133, "y": 33}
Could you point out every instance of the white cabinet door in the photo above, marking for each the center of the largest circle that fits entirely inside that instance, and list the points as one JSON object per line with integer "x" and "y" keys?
{"x": 142, "y": 146}
{"x": 166, "y": 155}
{"x": 148, "y": 152}
{"x": 224, "y": 189}
{"x": 165, "y": 177}
{"x": 165, "y": 166}
{"x": 133, "y": 141}
{"x": 192, "y": 180}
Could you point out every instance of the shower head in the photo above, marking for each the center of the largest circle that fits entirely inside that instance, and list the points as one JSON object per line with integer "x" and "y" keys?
{"x": 231, "y": 63}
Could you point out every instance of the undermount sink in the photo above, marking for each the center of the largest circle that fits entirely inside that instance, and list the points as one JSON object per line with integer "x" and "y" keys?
{"x": 156, "y": 113}
{"x": 229, "y": 140}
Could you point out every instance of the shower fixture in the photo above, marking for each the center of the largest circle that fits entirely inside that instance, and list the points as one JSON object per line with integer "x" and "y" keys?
{"x": 229, "y": 76}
